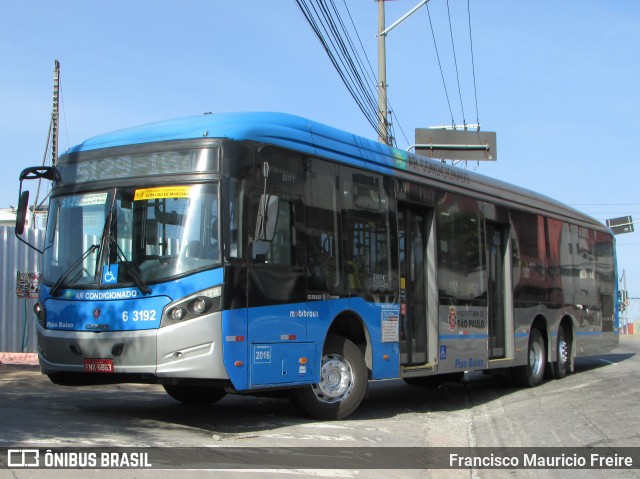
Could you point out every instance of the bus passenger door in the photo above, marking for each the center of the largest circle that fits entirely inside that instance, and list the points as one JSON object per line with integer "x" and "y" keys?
{"x": 496, "y": 249}
{"x": 412, "y": 243}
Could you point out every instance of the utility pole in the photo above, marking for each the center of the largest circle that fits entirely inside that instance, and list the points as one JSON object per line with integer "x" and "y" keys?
{"x": 51, "y": 139}
{"x": 383, "y": 120}
{"x": 55, "y": 114}
{"x": 384, "y": 135}
{"x": 625, "y": 325}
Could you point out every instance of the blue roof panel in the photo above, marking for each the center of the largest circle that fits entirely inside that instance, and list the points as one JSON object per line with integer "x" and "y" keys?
{"x": 313, "y": 138}
{"x": 280, "y": 129}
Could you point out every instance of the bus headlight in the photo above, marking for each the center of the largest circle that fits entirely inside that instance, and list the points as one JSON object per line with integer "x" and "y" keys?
{"x": 199, "y": 306}
{"x": 196, "y": 305}
{"x": 177, "y": 314}
{"x": 40, "y": 312}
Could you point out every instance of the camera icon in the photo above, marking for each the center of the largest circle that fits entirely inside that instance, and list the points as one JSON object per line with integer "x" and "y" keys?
{"x": 23, "y": 458}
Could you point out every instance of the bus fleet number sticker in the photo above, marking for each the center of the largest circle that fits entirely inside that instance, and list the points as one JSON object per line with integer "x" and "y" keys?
{"x": 139, "y": 315}
{"x": 262, "y": 354}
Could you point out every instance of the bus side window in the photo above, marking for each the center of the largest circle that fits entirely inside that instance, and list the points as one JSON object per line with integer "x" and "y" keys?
{"x": 322, "y": 237}
{"x": 366, "y": 230}
{"x": 462, "y": 266}
{"x": 279, "y": 250}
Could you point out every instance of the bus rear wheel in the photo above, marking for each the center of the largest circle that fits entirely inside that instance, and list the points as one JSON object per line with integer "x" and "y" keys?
{"x": 562, "y": 366}
{"x": 531, "y": 374}
{"x": 343, "y": 382}
{"x": 194, "y": 395}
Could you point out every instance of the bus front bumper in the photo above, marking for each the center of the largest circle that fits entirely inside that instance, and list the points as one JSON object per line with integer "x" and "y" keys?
{"x": 191, "y": 349}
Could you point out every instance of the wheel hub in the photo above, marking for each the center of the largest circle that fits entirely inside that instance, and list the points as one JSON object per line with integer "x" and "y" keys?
{"x": 535, "y": 358}
{"x": 336, "y": 379}
{"x": 564, "y": 352}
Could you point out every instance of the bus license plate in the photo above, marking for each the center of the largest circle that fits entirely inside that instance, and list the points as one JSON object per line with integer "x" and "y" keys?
{"x": 99, "y": 366}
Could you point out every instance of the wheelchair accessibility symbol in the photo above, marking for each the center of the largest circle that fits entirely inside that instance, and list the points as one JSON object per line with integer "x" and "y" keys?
{"x": 110, "y": 274}
{"x": 443, "y": 352}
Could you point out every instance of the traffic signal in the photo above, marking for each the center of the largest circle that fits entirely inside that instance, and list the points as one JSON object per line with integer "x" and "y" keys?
{"x": 623, "y": 300}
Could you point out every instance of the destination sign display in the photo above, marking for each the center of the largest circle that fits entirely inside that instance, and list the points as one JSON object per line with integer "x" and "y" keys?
{"x": 138, "y": 165}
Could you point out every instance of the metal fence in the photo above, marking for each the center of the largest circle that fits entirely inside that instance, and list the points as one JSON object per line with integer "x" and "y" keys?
{"x": 17, "y": 260}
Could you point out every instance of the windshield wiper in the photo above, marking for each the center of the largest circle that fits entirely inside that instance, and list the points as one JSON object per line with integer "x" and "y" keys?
{"x": 54, "y": 289}
{"x": 108, "y": 242}
{"x": 131, "y": 268}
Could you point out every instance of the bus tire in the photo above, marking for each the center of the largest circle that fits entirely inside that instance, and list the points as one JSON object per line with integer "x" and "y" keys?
{"x": 343, "y": 382}
{"x": 531, "y": 374}
{"x": 562, "y": 366}
{"x": 194, "y": 395}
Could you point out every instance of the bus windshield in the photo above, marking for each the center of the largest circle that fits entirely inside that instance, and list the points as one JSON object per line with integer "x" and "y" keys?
{"x": 129, "y": 235}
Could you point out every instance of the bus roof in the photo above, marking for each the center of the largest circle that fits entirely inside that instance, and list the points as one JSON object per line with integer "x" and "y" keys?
{"x": 300, "y": 134}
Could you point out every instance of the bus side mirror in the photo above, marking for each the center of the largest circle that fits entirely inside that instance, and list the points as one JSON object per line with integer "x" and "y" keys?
{"x": 32, "y": 173}
{"x": 38, "y": 173}
{"x": 267, "y": 218}
{"x": 21, "y": 215}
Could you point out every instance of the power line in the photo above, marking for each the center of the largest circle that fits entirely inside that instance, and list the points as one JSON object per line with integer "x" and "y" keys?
{"x": 326, "y": 22}
{"x": 328, "y": 26}
{"x": 372, "y": 78}
{"x": 355, "y": 68}
{"x": 370, "y": 74}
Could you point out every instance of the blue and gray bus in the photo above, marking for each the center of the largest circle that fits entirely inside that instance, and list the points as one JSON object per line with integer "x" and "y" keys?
{"x": 245, "y": 252}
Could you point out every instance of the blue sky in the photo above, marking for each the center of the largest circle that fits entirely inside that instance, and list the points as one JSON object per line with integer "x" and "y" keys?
{"x": 557, "y": 81}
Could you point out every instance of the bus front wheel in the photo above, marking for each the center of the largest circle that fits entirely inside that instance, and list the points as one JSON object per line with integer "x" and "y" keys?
{"x": 194, "y": 395}
{"x": 343, "y": 382}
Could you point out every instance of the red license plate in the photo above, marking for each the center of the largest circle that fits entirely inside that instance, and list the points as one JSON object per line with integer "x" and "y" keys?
{"x": 99, "y": 366}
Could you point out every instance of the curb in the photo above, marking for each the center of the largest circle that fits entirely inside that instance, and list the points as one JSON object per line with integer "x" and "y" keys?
{"x": 27, "y": 359}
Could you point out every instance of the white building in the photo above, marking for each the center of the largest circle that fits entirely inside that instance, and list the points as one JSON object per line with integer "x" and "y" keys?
{"x": 7, "y": 216}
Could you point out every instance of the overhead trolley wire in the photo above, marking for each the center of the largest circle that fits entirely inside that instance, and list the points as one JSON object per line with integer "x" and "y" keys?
{"x": 455, "y": 60}
{"x": 473, "y": 65}
{"x": 444, "y": 83}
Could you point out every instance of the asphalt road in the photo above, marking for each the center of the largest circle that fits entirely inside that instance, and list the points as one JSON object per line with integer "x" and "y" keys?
{"x": 597, "y": 406}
